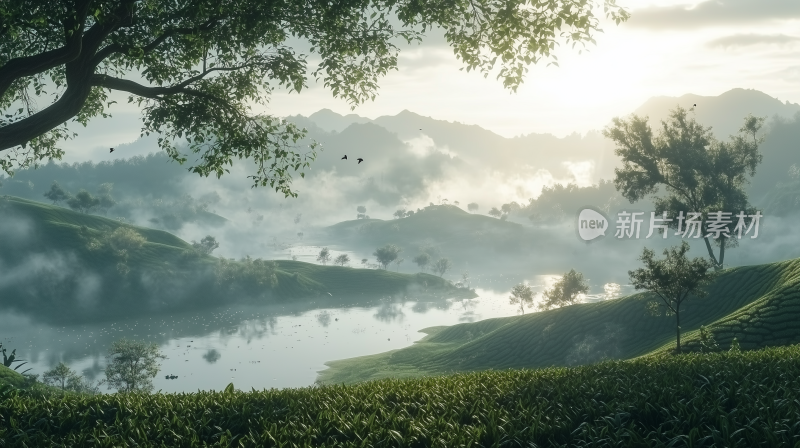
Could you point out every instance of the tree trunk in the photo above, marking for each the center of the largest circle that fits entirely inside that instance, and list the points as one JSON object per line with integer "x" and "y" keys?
{"x": 721, "y": 251}
{"x": 717, "y": 265}
{"x": 678, "y": 328}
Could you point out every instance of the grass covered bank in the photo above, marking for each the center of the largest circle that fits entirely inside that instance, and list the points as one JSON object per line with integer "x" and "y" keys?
{"x": 735, "y": 400}
{"x": 759, "y": 305}
{"x": 72, "y": 267}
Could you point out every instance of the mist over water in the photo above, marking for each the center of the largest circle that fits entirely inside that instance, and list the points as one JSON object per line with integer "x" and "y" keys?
{"x": 253, "y": 347}
{"x": 412, "y": 163}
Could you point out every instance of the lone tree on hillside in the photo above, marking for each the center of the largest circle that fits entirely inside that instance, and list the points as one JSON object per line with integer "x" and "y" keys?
{"x": 521, "y": 295}
{"x": 206, "y": 245}
{"x": 132, "y": 365}
{"x": 566, "y": 291}
{"x": 342, "y": 260}
{"x": 422, "y": 260}
{"x": 387, "y": 254}
{"x": 494, "y": 212}
{"x": 699, "y": 174}
{"x": 83, "y": 202}
{"x": 472, "y": 207}
{"x": 204, "y": 63}
{"x": 56, "y": 193}
{"x": 441, "y": 266}
{"x": 362, "y": 212}
{"x": 104, "y": 196}
{"x": 324, "y": 256}
{"x": 673, "y": 279}
{"x": 400, "y": 213}
{"x": 60, "y": 375}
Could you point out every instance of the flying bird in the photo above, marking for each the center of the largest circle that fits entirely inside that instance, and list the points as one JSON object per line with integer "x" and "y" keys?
{"x": 345, "y": 157}
{"x": 360, "y": 160}
{"x": 110, "y": 150}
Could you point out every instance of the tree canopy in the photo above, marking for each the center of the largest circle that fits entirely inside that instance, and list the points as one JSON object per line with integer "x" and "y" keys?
{"x": 387, "y": 254}
{"x": 699, "y": 173}
{"x": 566, "y": 291}
{"x": 673, "y": 279}
{"x": 521, "y": 295}
{"x": 198, "y": 68}
{"x": 132, "y": 365}
{"x": 324, "y": 256}
{"x": 441, "y": 266}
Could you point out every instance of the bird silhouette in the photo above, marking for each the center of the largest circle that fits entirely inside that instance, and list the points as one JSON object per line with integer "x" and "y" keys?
{"x": 345, "y": 157}
{"x": 360, "y": 160}
{"x": 110, "y": 150}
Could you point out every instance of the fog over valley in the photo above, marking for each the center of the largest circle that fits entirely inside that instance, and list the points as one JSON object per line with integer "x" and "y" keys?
{"x": 328, "y": 224}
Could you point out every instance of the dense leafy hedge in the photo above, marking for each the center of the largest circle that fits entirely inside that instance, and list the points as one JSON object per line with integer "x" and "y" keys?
{"x": 734, "y": 400}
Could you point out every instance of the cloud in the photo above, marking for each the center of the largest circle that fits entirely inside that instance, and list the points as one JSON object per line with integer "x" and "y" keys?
{"x": 745, "y": 40}
{"x": 714, "y": 13}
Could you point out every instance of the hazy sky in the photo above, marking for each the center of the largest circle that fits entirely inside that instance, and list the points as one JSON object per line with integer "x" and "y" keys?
{"x": 668, "y": 47}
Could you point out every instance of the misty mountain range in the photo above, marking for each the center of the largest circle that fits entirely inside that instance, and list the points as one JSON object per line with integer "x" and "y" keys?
{"x": 412, "y": 160}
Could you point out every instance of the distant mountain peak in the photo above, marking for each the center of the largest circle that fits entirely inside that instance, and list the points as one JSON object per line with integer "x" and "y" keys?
{"x": 334, "y": 122}
{"x": 724, "y": 112}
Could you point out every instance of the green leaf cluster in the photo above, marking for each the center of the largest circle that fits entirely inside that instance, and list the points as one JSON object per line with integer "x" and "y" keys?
{"x": 202, "y": 71}
{"x": 724, "y": 399}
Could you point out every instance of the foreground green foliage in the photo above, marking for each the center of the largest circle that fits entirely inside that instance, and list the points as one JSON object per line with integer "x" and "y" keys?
{"x": 727, "y": 399}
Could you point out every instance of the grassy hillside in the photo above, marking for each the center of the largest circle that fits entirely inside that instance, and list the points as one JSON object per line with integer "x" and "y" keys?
{"x": 451, "y": 228}
{"x": 353, "y": 282}
{"x": 9, "y": 376}
{"x": 58, "y": 270}
{"x": 733, "y": 400}
{"x": 760, "y": 305}
{"x": 62, "y": 226}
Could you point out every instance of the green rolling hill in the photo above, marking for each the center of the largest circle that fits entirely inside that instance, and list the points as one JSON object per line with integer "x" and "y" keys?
{"x": 450, "y": 228}
{"x": 759, "y": 305}
{"x": 58, "y": 271}
{"x": 9, "y": 376}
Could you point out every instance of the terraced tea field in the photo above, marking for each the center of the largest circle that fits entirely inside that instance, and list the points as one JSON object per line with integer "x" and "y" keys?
{"x": 760, "y": 305}
{"x": 729, "y": 399}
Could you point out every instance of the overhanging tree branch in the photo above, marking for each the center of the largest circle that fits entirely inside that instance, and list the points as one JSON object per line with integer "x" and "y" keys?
{"x": 21, "y": 67}
{"x": 117, "y": 48}
{"x": 125, "y": 85}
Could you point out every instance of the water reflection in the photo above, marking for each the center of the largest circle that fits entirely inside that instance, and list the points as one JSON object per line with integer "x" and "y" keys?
{"x": 212, "y": 356}
{"x": 252, "y": 346}
{"x": 390, "y": 312}
{"x": 324, "y": 318}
